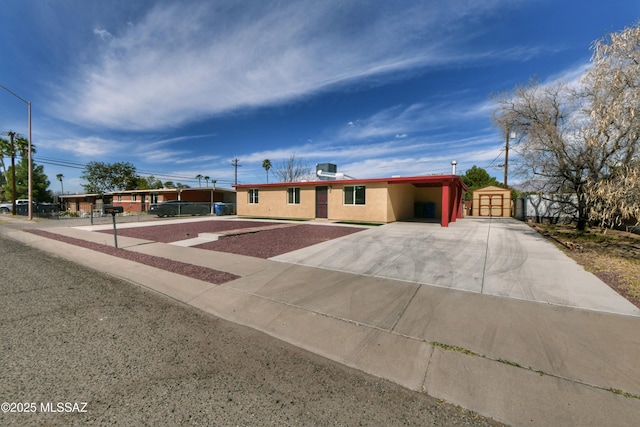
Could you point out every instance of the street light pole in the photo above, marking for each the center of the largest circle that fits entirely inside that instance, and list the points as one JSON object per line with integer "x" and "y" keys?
{"x": 29, "y": 161}
{"x": 30, "y": 166}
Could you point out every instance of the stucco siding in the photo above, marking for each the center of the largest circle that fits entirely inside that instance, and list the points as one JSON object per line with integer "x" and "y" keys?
{"x": 401, "y": 198}
{"x": 374, "y": 209}
{"x": 273, "y": 203}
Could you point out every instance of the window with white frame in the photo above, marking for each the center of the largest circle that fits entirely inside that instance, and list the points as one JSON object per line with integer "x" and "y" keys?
{"x": 354, "y": 195}
{"x": 293, "y": 195}
{"x": 253, "y": 196}
{"x": 134, "y": 197}
{"x": 119, "y": 197}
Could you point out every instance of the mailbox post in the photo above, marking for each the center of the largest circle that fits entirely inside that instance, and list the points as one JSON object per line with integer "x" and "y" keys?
{"x": 113, "y": 210}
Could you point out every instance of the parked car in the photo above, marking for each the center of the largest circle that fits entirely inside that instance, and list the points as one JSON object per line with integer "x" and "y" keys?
{"x": 178, "y": 207}
{"x": 6, "y": 207}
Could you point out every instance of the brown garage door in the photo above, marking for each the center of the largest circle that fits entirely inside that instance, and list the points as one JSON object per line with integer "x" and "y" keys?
{"x": 491, "y": 204}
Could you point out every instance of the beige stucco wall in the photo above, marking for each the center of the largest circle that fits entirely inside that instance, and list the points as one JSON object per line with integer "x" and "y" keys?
{"x": 400, "y": 202}
{"x": 374, "y": 209}
{"x": 273, "y": 203}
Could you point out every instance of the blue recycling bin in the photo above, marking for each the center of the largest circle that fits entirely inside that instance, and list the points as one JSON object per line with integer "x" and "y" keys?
{"x": 430, "y": 210}
{"x": 219, "y": 208}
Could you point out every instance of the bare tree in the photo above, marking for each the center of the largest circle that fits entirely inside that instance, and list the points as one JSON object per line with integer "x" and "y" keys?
{"x": 615, "y": 200}
{"x": 614, "y": 93}
{"x": 550, "y": 152}
{"x": 612, "y": 87}
{"x": 292, "y": 170}
{"x": 569, "y": 137}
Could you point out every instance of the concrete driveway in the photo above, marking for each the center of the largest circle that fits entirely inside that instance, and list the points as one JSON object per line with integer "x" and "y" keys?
{"x": 500, "y": 257}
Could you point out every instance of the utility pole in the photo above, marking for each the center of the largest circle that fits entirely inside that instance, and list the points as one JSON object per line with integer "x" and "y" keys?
{"x": 510, "y": 134}
{"x": 235, "y": 164}
{"x": 506, "y": 159}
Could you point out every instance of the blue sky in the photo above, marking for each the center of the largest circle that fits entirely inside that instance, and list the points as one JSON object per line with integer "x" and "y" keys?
{"x": 381, "y": 88}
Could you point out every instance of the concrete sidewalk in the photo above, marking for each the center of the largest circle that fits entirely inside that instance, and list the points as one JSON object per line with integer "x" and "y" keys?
{"x": 486, "y": 345}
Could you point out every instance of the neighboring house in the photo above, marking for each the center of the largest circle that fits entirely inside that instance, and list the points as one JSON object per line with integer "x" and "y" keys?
{"x": 140, "y": 200}
{"x": 82, "y": 204}
{"x": 377, "y": 200}
{"x": 491, "y": 201}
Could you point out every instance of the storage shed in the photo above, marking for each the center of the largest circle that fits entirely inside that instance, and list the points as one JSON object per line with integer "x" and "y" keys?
{"x": 491, "y": 201}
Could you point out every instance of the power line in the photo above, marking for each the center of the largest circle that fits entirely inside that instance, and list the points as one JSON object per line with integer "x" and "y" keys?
{"x": 82, "y": 165}
{"x": 497, "y": 157}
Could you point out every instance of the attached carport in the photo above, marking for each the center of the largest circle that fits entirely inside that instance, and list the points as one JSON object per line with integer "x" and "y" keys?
{"x": 427, "y": 197}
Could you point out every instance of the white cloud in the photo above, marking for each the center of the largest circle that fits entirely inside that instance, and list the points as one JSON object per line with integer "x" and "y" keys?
{"x": 102, "y": 33}
{"x": 180, "y": 64}
{"x": 398, "y": 121}
{"x": 93, "y": 147}
{"x": 572, "y": 76}
{"x": 407, "y": 157}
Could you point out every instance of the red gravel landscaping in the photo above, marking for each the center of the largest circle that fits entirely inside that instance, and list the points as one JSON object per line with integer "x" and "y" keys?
{"x": 202, "y": 273}
{"x": 270, "y": 243}
{"x": 184, "y": 230}
{"x": 259, "y": 244}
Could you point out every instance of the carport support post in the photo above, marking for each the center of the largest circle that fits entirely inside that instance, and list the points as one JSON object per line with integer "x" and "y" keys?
{"x": 444, "y": 221}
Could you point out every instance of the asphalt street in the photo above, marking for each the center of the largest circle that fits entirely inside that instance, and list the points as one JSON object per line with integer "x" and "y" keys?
{"x": 79, "y": 347}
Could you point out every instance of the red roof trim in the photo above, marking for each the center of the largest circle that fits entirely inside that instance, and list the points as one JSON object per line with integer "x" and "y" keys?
{"x": 433, "y": 180}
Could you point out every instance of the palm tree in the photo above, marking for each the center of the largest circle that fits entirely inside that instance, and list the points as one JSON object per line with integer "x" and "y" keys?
{"x": 5, "y": 150}
{"x": 59, "y": 178}
{"x": 266, "y": 164}
{"x": 12, "y": 153}
{"x": 17, "y": 144}
{"x": 206, "y": 179}
{"x": 199, "y": 177}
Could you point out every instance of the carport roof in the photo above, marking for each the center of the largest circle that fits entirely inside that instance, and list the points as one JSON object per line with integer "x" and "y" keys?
{"x": 418, "y": 181}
